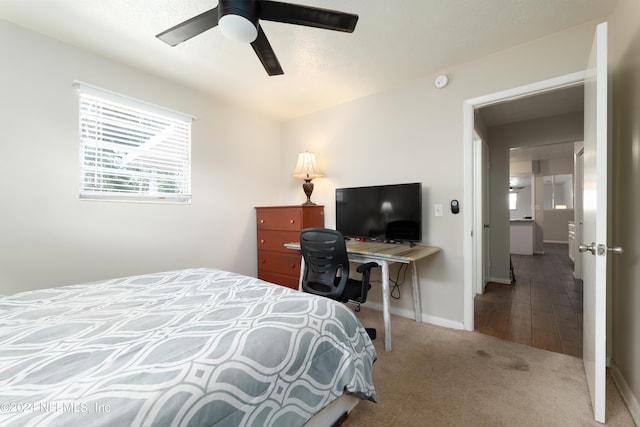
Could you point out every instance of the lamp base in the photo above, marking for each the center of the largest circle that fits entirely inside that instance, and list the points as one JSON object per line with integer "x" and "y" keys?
{"x": 307, "y": 186}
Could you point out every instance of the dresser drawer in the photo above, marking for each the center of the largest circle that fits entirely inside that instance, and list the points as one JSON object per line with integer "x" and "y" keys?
{"x": 279, "y": 219}
{"x": 273, "y": 240}
{"x": 280, "y": 262}
{"x": 292, "y": 282}
{"x": 277, "y": 225}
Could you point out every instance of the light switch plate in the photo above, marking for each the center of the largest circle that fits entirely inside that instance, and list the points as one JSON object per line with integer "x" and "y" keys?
{"x": 438, "y": 209}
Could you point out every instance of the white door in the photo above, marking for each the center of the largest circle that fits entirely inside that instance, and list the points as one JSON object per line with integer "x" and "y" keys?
{"x": 593, "y": 247}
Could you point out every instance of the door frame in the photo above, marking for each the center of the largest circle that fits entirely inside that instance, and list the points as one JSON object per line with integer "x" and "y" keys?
{"x": 481, "y": 220}
{"x": 472, "y": 247}
{"x": 579, "y": 217}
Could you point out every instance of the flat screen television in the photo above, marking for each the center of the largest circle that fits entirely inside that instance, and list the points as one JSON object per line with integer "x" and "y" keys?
{"x": 381, "y": 212}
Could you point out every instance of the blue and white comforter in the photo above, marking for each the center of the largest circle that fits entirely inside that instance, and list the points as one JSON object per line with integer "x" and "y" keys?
{"x": 197, "y": 347}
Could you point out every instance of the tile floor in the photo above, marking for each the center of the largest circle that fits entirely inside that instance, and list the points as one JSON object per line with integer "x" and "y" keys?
{"x": 542, "y": 308}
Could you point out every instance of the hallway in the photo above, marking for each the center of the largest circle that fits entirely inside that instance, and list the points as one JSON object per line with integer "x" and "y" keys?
{"x": 542, "y": 308}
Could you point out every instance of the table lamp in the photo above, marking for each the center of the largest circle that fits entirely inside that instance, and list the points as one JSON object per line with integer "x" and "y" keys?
{"x": 307, "y": 169}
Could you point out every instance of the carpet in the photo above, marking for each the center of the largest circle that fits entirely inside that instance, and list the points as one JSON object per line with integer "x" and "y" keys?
{"x": 443, "y": 377}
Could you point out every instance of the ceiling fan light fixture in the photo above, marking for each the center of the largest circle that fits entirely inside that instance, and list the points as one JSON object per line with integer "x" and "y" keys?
{"x": 238, "y": 28}
{"x": 239, "y": 20}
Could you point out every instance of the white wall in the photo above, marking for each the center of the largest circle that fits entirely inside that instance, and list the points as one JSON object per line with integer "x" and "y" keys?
{"x": 414, "y": 133}
{"x": 49, "y": 237}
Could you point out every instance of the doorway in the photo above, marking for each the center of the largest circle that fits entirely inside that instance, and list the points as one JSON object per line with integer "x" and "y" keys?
{"x": 541, "y": 304}
{"x": 474, "y": 246}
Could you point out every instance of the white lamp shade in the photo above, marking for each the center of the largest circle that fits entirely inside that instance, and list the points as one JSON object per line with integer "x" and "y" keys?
{"x": 238, "y": 28}
{"x": 307, "y": 168}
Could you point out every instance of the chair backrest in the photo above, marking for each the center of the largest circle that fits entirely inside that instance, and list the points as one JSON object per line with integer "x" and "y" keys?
{"x": 325, "y": 255}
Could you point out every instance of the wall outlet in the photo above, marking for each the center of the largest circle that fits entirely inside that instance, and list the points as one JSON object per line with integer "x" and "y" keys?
{"x": 438, "y": 209}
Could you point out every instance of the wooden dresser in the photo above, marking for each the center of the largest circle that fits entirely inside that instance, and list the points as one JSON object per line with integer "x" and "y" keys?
{"x": 278, "y": 225}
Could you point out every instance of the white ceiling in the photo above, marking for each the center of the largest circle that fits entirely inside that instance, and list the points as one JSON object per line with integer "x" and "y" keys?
{"x": 394, "y": 41}
{"x": 548, "y": 104}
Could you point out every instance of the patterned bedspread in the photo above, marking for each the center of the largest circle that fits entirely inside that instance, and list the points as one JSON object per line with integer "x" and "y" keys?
{"x": 197, "y": 347}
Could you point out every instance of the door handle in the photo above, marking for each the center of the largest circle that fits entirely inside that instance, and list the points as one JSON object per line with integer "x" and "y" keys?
{"x": 600, "y": 249}
{"x": 617, "y": 250}
{"x": 584, "y": 248}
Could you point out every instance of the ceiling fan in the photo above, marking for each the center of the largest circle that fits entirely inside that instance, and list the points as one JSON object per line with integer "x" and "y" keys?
{"x": 239, "y": 20}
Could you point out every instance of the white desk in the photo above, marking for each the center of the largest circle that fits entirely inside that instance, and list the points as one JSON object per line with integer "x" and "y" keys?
{"x": 385, "y": 254}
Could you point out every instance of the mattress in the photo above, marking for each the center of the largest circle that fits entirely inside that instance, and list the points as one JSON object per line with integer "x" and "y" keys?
{"x": 196, "y": 347}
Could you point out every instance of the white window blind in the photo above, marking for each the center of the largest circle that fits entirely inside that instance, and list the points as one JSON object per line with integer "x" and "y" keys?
{"x": 130, "y": 150}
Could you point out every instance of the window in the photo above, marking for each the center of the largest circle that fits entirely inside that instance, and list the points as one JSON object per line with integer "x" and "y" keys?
{"x": 558, "y": 191}
{"x": 131, "y": 150}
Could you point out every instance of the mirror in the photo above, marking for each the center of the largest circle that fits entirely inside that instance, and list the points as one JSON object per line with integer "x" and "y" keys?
{"x": 558, "y": 191}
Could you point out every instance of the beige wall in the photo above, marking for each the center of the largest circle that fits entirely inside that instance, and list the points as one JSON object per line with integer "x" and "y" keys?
{"x": 415, "y": 133}
{"x": 49, "y": 237}
{"x": 556, "y": 225}
{"x": 625, "y": 65}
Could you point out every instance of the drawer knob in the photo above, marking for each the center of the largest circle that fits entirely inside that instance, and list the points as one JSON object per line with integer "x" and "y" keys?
{"x": 293, "y": 266}
{"x": 291, "y": 221}
{"x": 262, "y": 221}
{"x": 261, "y": 240}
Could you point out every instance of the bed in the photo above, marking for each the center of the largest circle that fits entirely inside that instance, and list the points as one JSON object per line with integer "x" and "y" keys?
{"x": 196, "y": 347}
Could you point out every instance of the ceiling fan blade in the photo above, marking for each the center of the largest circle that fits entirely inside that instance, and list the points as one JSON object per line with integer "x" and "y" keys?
{"x": 307, "y": 16}
{"x": 267, "y": 56}
{"x": 190, "y": 28}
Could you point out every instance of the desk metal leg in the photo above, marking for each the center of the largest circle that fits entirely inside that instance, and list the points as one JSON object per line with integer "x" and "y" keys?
{"x": 301, "y": 273}
{"x": 385, "y": 305}
{"x": 416, "y": 294}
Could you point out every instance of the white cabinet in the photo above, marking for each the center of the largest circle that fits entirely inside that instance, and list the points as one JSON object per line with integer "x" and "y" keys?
{"x": 521, "y": 236}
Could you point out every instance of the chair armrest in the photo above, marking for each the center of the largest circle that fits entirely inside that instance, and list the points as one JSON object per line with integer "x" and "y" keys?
{"x": 365, "y": 270}
{"x": 365, "y": 267}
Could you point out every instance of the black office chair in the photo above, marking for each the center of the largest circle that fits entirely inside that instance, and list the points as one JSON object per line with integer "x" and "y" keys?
{"x": 326, "y": 268}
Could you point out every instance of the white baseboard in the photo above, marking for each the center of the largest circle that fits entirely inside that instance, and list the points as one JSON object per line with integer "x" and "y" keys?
{"x": 500, "y": 280}
{"x": 409, "y": 314}
{"x": 445, "y": 323}
{"x": 627, "y": 393}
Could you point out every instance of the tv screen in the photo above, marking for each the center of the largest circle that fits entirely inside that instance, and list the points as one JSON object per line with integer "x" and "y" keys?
{"x": 382, "y": 212}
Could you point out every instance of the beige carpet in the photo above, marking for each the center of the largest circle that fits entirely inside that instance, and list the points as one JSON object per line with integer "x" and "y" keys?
{"x": 441, "y": 377}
